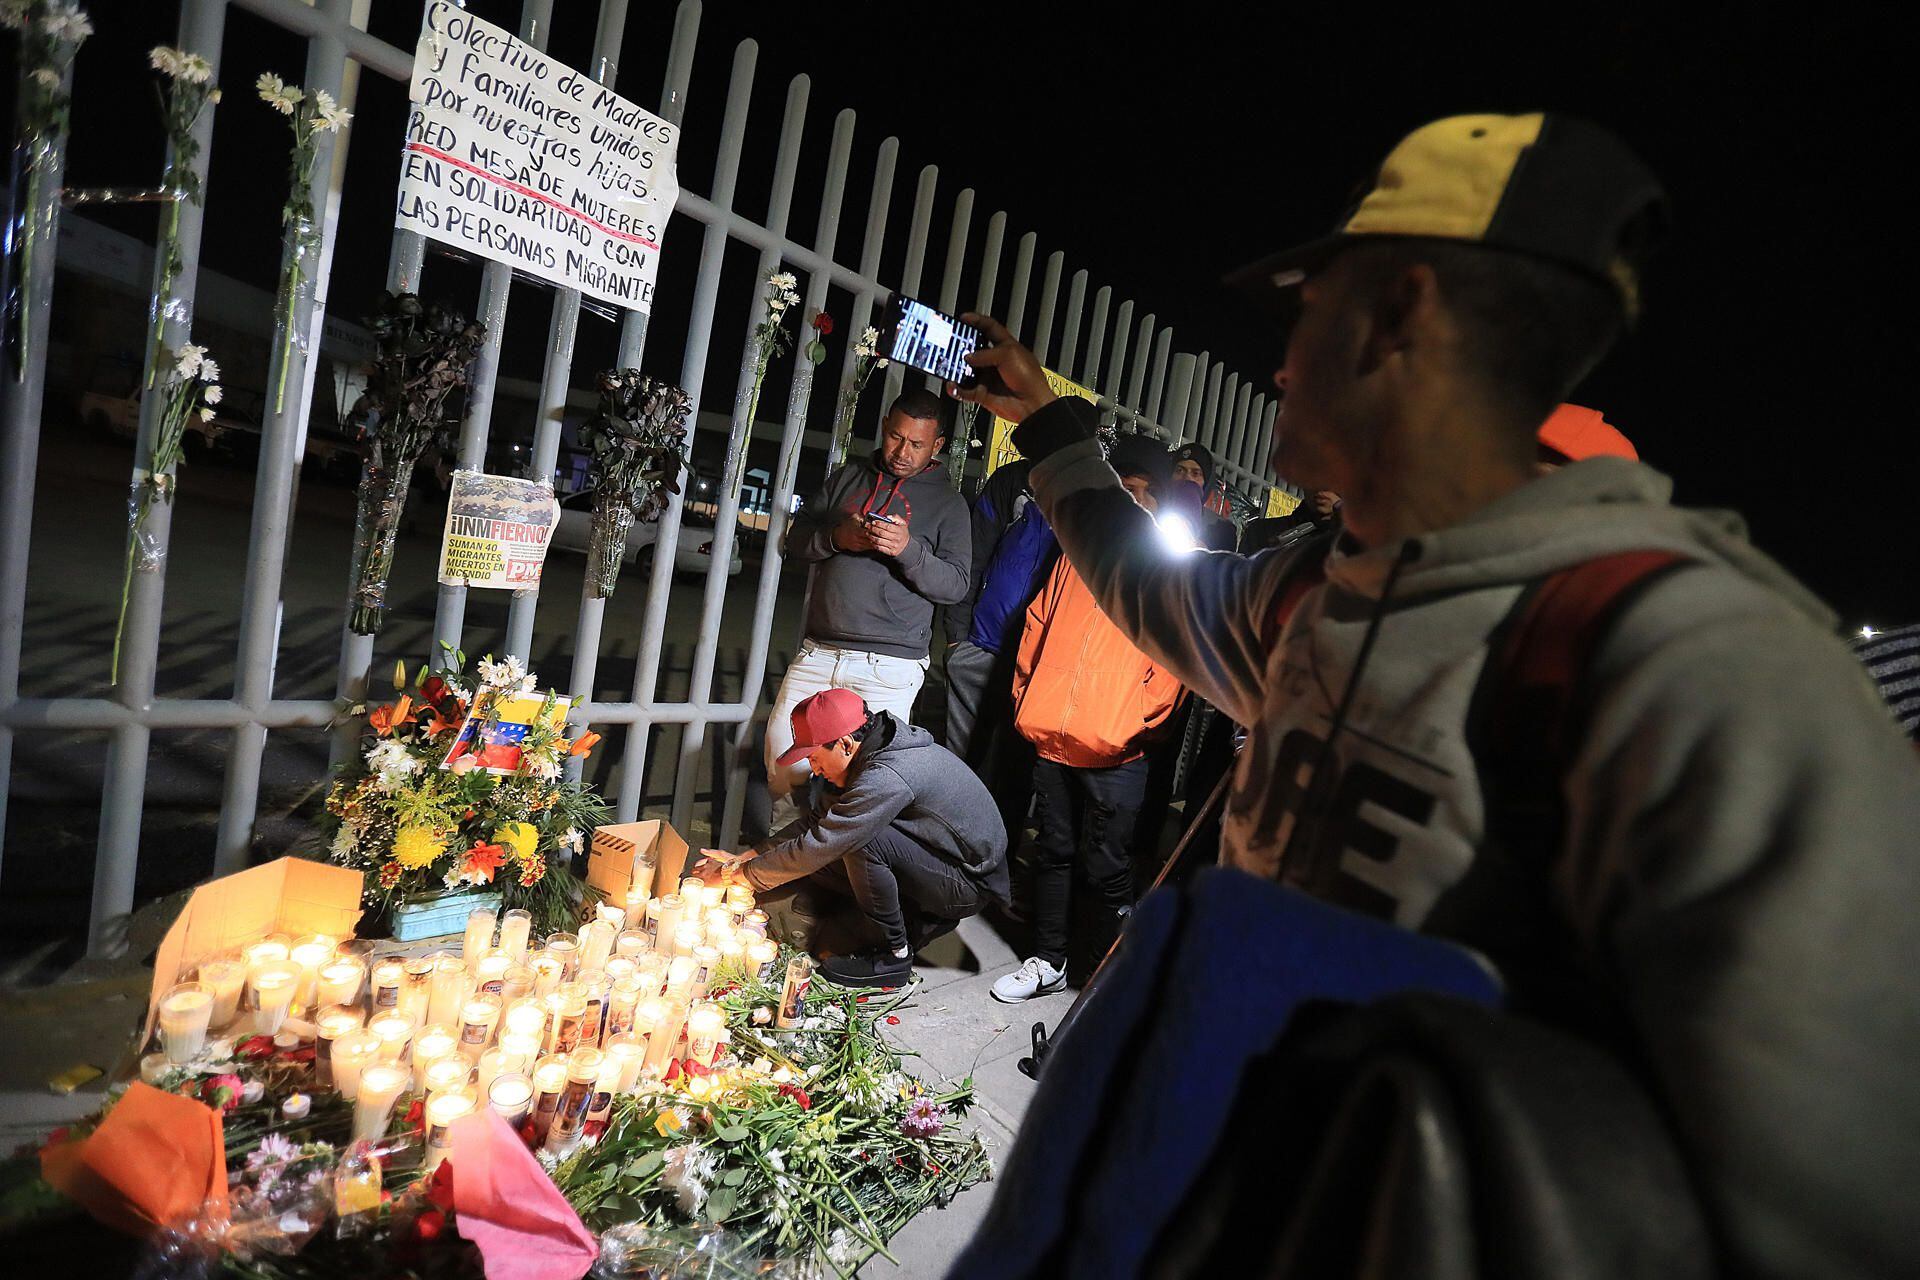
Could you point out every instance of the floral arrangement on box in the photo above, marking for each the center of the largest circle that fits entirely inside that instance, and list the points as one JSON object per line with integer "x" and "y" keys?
{"x": 418, "y": 826}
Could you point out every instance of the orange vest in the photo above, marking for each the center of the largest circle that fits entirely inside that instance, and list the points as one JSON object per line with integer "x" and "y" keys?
{"x": 1082, "y": 693}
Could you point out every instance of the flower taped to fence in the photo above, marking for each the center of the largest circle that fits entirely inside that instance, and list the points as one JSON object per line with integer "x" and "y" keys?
{"x": 453, "y": 791}
{"x": 649, "y": 1116}
{"x": 636, "y": 447}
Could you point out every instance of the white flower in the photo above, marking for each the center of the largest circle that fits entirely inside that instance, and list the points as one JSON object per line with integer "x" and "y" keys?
{"x": 46, "y": 79}
{"x": 209, "y": 371}
{"x": 506, "y": 675}
{"x": 777, "y": 1161}
{"x": 67, "y": 23}
{"x": 327, "y": 115}
{"x": 214, "y": 97}
{"x": 206, "y": 414}
{"x": 213, "y": 394}
{"x": 571, "y": 840}
{"x": 842, "y": 1248}
{"x": 344, "y": 843}
{"x": 187, "y": 363}
{"x": 393, "y": 763}
{"x": 195, "y": 69}
{"x": 783, "y": 281}
{"x": 278, "y": 94}
{"x": 879, "y": 364}
{"x": 164, "y": 59}
{"x": 685, "y": 1174}
{"x": 541, "y": 767}
{"x": 13, "y": 13}
{"x": 762, "y": 1016}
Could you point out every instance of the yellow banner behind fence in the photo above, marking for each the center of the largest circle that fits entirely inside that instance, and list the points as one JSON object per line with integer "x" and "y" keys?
{"x": 1280, "y": 502}
{"x": 1000, "y": 450}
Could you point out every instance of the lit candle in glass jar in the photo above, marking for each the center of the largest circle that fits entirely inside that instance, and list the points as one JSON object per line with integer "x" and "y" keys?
{"x": 647, "y": 1017}
{"x": 340, "y": 981}
{"x": 524, "y": 1017}
{"x": 478, "y": 1018}
{"x": 224, "y": 980}
{"x": 451, "y": 987}
{"x": 567, "y": 947}
{"x": 718, "y": 922}
{"x": 493, "y": 1064}
{"x": 273, "y": 986}
{"x": 432, "y": 1043}
{"x": 388, "y": 978}
{"x": 632, "y": 943}
{"x": 665, "y": 1035}
{"x": 567, "y": 1009}
{"x": 395, "y": 1031}
{"x": 548, "y": 972}
{"x": 686, "y": 938}
{"x": 755, "y": 922}
{"x": 620, "y": 967}
{"x": 761, "y": 955}
{"x": 733, "y": 953}
{"x": 511, "y": 1097}
{"x": 705, "y": 1022}
{"x": 711, "y": 896}
{"x": 327, "y": 1030}
{"x": 524, "y": 1051}
{"x": 631, "y": 1056}
{"x": 739, "y": 898}
{"x": 662, "y": 923}
{"x": 447, "y": 1074}
{"x": 477, "y": 943}
{"x": 380, "y": 1085}
{"x": 417, "y": 990}
{"x": 583, "y": 1068}
{"x": 651, "y": 969}
{"x": 517, "y": 983}
{"x": 440, "y": 1113}
{"x": 268, "y": 951}
{"x": 352, "y": 1052}
{"x": 311, "y": 953}
{"x": 596, "y": 945}
{"x": 708, "y": 958}
{"x": 549, "y": 1082}
{"x": 623, "y": 996}
{"x": 490, "y": 974}
{"x": 690, "y": 887}
{"x": 612, "y": 914}
{"x": 185, "y": 1013}
{"x": 515, "y": 928}
{"x": 680, "y": 975}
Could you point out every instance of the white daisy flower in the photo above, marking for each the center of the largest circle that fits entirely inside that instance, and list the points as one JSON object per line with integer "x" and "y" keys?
{"x": 784, "y": 281}
{"x": 209, "y": 370}
{"x": 46, "y": 79}
{"x": 344, "y": 843}
{"x": 277, "y": 93}
{"x": 213, "y": 394}
{"x": 13, "y": 13}
{"x": 164, "y": 59}
{"x": 195, "y": 69}
{"x": 67, "y": 24}
{"x": 571, "y": 840}
{"x": 187, "y": 362}
{"x": 206, "y": 415}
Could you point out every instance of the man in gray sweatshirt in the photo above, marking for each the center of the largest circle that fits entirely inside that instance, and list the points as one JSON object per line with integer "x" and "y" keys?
{"x": 897, "y": 821}
{"x": 1730, "y": 879}
{"x": 889, "y": 539}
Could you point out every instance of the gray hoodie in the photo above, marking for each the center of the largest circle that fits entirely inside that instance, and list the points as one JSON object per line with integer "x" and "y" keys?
{"x": 1740, "y": 862}
{"x": 899, "y": 778}
{"x": 870, "y": 601}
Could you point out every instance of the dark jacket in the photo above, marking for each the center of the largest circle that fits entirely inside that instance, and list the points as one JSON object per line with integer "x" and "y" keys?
{"x": 1013, "y": 549}
{"x": 869, "y": 601}
{"x": 900, "y": 779}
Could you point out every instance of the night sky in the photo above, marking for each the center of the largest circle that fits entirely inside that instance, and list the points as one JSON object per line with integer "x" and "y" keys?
{"x": 1770, "y": 375}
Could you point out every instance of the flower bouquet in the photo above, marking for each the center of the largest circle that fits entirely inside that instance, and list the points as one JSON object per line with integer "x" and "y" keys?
{"x": 310, "y": 113}
{"x": 637, "y": 449}
{"x": 866, "y": 359}
{"x": 419, "y": 825}
{"x": 425, "y": 353}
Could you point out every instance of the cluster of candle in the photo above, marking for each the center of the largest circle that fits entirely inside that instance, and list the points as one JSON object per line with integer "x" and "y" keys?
{"x": 255, "y": 989}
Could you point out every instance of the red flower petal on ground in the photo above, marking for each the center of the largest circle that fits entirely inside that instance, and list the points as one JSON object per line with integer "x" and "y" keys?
{"x": 256, "y": 1047}
{"x": 294, "y": 1055}
{"x": 861, "y": 999}
{"x": 892, "y": 1021}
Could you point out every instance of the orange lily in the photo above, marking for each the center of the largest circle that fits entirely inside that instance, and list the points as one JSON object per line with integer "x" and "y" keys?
{"x": 386, "y": 719}
{"x": 583, "y": 744}
{"x": 484, "y": 857}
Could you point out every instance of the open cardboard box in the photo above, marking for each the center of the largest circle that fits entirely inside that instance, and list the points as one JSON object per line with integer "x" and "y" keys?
{"x": 289, "y": 895}
{"x": 619, "y": 846}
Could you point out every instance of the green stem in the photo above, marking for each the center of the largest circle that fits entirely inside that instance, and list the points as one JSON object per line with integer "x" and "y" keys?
{"x": 168, "y": 256}
{"x": 126, "y": 583}
{"x": 26, "y": 263}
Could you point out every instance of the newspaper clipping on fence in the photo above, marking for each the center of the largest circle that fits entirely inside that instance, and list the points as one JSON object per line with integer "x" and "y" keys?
{"x": 527, "y": 161}
{"x": 498, "y": 530}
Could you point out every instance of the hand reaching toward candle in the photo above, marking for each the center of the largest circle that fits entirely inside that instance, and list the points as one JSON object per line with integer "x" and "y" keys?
{"x": 717, "y": 866}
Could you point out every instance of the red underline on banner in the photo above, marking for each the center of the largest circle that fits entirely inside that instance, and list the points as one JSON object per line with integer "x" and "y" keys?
{"x": 438, "y": 154}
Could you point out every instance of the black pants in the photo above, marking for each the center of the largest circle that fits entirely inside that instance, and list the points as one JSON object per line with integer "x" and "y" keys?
{"x": 1086, "y": 817}
{"x": 894, "y": 877}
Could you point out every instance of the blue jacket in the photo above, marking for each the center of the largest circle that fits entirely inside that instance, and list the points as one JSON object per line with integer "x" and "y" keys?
{"x": 1014, "y": 544}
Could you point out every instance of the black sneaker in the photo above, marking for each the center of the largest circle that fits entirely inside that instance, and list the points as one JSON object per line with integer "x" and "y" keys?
{"x": 877, "y": 968}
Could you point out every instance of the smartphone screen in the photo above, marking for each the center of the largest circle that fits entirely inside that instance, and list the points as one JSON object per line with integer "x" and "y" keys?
{"x": 930, "y": 341}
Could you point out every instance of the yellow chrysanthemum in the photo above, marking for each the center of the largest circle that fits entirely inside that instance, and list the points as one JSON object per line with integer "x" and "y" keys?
{"x": 521, "y": 837}
{"x": 417, "y": 846}
{"x": 669, "y": 1122}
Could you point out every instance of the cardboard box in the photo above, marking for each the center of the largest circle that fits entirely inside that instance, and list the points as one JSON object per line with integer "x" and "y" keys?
{"x": 289, "y": 895}
{"x": 618, "y": 847}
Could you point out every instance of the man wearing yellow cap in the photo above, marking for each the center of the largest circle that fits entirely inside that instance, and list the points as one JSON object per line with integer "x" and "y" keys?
{"x": 1709, "y": 864}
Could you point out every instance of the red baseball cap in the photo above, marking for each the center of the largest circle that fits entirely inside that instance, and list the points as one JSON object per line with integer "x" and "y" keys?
{"x": 827, "y": 716}
{"x": 1576, "y": 432}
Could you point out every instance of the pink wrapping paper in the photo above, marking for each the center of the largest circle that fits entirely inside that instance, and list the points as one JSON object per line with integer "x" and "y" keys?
{"x": 508, "y": 1206}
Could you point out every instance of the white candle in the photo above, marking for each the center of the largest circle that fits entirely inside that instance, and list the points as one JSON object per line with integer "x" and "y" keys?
{"x": 680, "y": 976}
{"x": 718, "y": 922}
{"x": 273, "y": 986}
{"x": 524, "y": 1017}
{"x": 328, "y": 1028}
{"x": 690, "y": 887}
{"x": 441, "y": 1111}
{"x": 704, "y": 1025}
{"x": 567, "y": 947}
{"x": 645, "y": 865}
{"x": 511, "y": 1097}
{"x": 478, "y": 941}
{"x": 761, "y": 955}
{"x": 311, "y": 954}
{"x": 712, "y": 895}
{"x": 613, "y": 915}
{"x": 647, "y": 1017}
{"x": 665, "y": 1036}
{"x": 185, "y": 1013}
{"x": 623, "y": 996}
{"x": 708, "y": 958}
{"x": 447, "y": 1074}
{"x": 450, "y": 988}
{"x": 395, "y": 1031}
{"x": 662, "y": 924}
{"x": 490, "y": 974}
{"x": 340, "y": 983}
{"x": 733, "y": 953}
{"x": 388, "y": 978}
{"x": 596, "y": 944}
{"x": 296, "y": 1106}
{"x": 686, "y": 938}
{"x": 632, "y": 943}
{"x": 494, "y": 1063}
{"x": 755, "y": 922}
{"x": 651, "y": 969}
{"x": 583, "y": 1068}
{"x": 620, "y": 967}
{"x": 224, "y": 980}
{"x": 517, "y": 983}
{"x": 523, "y": 1050}
{"x": 515, "y": 928}
{"x": 153, "y": 1066}
{"x": 739, "y": 899}
{"x": 268, "y": 951}
{"x": 417, "y": 990}
{"x": 479, "y": 1017}
{"x": 548, "y": 970}
{"x": 630, "y": 1057}
{"x": 430, "y": 1044}
{"x": 567, "y": 1009}
{"x": 379, "y": 1086}
{"x": 352, "y": 1052}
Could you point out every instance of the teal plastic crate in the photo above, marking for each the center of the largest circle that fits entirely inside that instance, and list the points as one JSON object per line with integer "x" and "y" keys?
{"x": 441, "y": 914}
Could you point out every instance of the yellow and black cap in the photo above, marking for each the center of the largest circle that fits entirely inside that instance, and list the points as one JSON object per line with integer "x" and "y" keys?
{"x": 1549, "y": 186}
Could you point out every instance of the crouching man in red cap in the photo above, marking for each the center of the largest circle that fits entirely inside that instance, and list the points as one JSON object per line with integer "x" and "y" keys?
{"x": 896, "y": 820}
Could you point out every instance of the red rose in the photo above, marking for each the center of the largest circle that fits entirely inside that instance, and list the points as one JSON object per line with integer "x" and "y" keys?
{"x": 430, "y": 1224}
{"x": 222, "y": 1092}
{"x": 440, "y": 1189}
{"x": 798, "y": 1095}
{"x": 256, "y": 1047}
{"x": 823, "y": 323}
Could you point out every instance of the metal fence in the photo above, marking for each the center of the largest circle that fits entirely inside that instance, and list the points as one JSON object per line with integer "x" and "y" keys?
{"x": 1128, "y": 360}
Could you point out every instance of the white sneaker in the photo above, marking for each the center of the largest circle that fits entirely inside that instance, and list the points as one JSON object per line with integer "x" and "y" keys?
{"x": 1034, "y": 978}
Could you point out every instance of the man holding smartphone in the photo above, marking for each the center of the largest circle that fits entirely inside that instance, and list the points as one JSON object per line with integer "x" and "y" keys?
{"x": 889, "y": 539}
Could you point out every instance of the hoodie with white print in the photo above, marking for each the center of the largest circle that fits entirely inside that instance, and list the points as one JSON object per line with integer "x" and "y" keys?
{"x": 1742, "y": 848}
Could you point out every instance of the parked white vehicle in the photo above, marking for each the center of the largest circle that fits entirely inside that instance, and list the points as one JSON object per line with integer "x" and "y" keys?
{"x": 693, "y": 554}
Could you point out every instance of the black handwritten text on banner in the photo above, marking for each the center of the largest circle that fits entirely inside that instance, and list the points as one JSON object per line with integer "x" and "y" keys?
{"x": 526, "y": 161}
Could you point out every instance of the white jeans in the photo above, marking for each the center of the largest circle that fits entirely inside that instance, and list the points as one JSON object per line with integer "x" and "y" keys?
{"x": 885, "y": 682}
